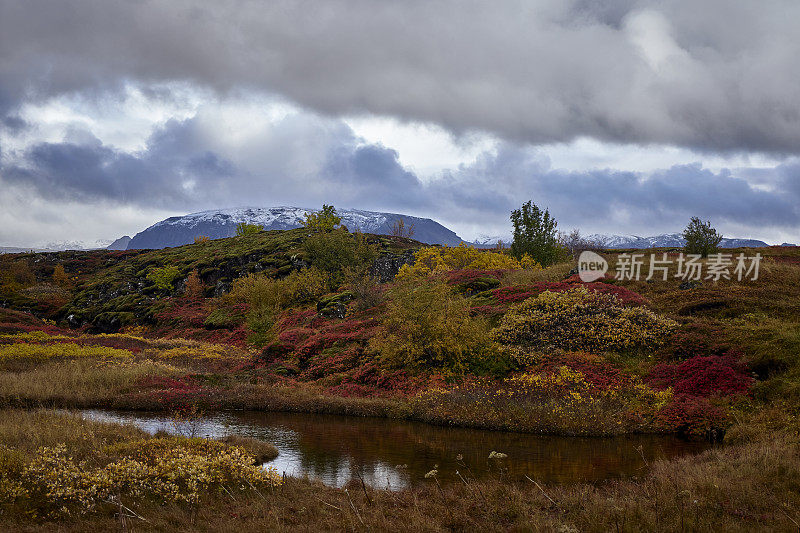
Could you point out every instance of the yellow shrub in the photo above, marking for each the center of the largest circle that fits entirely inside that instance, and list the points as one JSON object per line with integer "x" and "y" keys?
{"x": 19, "y": 352}
{"x": 430, "y": 326}
{"x": 581, "y": 320}
{"x": 437, "y": 259}
{"x": 172, "y": 469}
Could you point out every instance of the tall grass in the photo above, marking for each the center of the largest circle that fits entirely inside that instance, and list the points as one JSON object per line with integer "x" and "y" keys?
{"x": 75, "y": 383}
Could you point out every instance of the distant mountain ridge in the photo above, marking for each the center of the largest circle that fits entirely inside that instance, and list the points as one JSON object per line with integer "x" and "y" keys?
{"x": 666, "y": 240}
{"x": 221, "y": 223}
{"x": 615, "y": 242}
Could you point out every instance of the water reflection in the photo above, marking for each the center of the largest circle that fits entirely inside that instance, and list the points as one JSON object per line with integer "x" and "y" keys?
{"x": 394, "y": 454}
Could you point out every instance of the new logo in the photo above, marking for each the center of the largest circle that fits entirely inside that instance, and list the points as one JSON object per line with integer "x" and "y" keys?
{"x": 591, "y": 266}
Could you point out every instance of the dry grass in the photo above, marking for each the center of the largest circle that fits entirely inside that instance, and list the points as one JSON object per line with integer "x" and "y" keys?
{"x": 261, "y": 450}
{"x": 552, "y": 273}
{"x": 77, "y": 383}
{"x": 26, "y": 431}
{"x": 738, "y": 488}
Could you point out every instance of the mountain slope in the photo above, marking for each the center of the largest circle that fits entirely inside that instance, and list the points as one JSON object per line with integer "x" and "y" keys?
{"x": 221, "y": 223}
{"x": 119, "y": 244}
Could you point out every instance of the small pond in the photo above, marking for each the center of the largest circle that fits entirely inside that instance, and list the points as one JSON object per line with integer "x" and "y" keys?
{"x": 398, "y": 453}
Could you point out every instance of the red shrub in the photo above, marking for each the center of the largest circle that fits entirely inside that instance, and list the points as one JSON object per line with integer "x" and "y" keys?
{"x": 702, "y": 376}
{"x": 690, "y": 415}
{"x": 697, "y": 338}
{"x": 455, "y": 277}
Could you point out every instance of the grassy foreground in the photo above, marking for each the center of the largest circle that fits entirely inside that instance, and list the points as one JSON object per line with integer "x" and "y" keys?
{"x": 741, "y": 487}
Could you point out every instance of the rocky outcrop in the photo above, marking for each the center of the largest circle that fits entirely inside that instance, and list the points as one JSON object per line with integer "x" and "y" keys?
{"x": 386, "y": 267}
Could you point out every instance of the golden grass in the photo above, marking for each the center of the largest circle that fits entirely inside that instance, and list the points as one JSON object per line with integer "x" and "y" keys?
{"x": 75, "y": 383}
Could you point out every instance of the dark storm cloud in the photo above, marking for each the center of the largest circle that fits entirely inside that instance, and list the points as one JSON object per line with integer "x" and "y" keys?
{"x": 183, "y": 169}
{"x": 163, "y": 175}
{"x": 712, "y": 75}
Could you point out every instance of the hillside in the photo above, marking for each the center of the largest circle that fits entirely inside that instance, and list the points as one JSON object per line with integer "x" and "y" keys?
{"x": 111, "y": 288}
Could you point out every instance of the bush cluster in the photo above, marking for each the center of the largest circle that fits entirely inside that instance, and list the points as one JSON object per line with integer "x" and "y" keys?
{"x": 19, "y": 354}
{"x": 581, "y": 320}
{"x": 558, "y": 400}
{"x": 169, "y": 469}
{"x": 163, "y": 277}
{"x": 335, "y": 251}
{"x": 440, "y": 259}
{"x": 429, "y": 326}
{"x": 703, "y": 376}
{"x": 267, "y": 296}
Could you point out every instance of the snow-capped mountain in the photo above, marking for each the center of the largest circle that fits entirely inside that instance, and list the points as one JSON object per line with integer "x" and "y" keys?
{"x": 667, "y": 240}
{"x": 489, "y": 241}
{"x": 221, "y": 223}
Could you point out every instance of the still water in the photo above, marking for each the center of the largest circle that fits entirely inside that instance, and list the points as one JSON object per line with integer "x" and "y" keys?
{"x": 397, "y": 453}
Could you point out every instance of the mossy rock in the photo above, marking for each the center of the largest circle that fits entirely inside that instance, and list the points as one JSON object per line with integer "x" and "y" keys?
{"x": 335, "y": 306}
{"x": 112, "y": 322}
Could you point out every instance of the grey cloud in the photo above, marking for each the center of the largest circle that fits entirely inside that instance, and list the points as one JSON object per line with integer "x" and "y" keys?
{"x": 714, "y": 75}
{"x": 314, "y": 161}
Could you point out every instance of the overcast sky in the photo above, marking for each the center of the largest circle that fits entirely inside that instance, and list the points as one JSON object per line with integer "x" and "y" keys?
{"x": 626, "y": 118}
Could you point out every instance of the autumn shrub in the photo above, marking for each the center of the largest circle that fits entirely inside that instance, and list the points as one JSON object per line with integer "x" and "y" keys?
{"x": 20, "y": 355}
{"x": 60, "y": 277}
{"x": 366, "y": 290}
{"x": 595, "y": 369}
{"x": 702, "y": 376}
{"x": 168, "y": 469}
{"x": 557, "y": 400}
{"x": 164, "y": 277}
{"x": 194, "y": 286}
{"x": 266, "y": 296}
{"x": 691, "y": 416}
{"x": 429, "y": 326}
{"x": 439, "y": 259}
{"x": 519, "y": 293}
{"x": 580, "y": 319}
{"x": 14, "y": 276}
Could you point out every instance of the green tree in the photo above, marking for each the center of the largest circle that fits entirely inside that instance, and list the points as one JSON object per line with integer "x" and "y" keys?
{"x": 243, "y": 228}
{"x": 701, "y": 238}
{"x": 324, "y": 220}
{"x": 535, "y": 234}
